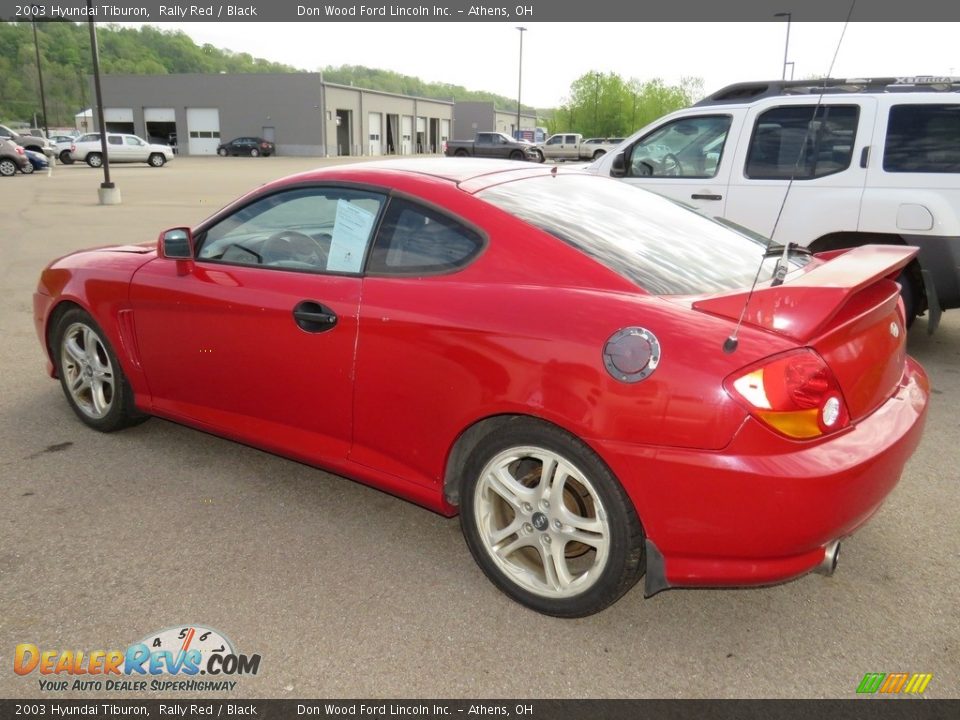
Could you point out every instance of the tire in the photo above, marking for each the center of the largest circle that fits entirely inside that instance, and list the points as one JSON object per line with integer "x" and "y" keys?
{"x": 516, "y": 155}
{"x": 66, "y": 158}
{"x": 908, "y": 291}
{"x": 94, "y": 159}
{"x": 461, "y": 153}
{"x": 539, "y": 155}
{"x": 599, "y": 154}
{"x": 157, "y": 160}
{"x": 222, "y": 152}
{"x": 593, "y": 538}
{"x": 254, "y": 153}
{"x": 27, "y": 169}
{"x": 8, "y": 168}
{"x": 90, "y": 375}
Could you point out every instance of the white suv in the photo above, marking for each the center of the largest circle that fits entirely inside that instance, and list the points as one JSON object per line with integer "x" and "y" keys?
{"x": 120, "y": 148}
{"x": 874, "y": 160}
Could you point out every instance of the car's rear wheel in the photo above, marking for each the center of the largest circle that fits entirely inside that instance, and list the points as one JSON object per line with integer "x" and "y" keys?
{"x": 254, "y": 153}
{"x": 516, "y": 155}
{"x": 90, "y": 374}
{"x": 222, "y": 152}
{"x": 66, "y": 158}
{"x": 461, "y": 153}
{"x": 157, "y": 160}
{"x": 548, "y": 522}
{"x": 8, "y": 168}
{"x": 94, "y": 160}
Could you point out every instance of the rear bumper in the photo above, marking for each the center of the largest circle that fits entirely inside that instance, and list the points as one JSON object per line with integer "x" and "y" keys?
{"x": 765, "y": 509}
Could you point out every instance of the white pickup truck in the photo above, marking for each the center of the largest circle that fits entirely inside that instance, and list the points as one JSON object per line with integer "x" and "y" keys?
{"x": 572, "y": 146}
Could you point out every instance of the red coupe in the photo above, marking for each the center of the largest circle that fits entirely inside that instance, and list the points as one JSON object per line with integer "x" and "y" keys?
{"x": 600, "y": 382}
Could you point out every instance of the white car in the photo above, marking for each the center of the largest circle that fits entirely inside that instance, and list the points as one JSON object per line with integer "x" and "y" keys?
{"x": 120, "y": 148}
{"x": 867, "y": 160}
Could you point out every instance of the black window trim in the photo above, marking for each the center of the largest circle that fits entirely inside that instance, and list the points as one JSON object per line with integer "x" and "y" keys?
{"x": 818, "y": 106}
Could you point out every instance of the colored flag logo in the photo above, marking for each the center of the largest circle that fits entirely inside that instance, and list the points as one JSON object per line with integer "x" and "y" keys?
{"x": 894, "y": 683}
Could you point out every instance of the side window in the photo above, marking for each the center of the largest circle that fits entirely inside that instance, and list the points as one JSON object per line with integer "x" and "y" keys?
{"x": 131, "y": 141}
{"x": 689, "y": 147}
{"x": 923, "y": 138}
{"x": 114, "y": 139}
{"x": 415, "y": 239}
{"x": 790, "y": 142}
{"x": 555, "y": 140}
{"x": 318, "y": 229}
{"x": 570, "y": 139}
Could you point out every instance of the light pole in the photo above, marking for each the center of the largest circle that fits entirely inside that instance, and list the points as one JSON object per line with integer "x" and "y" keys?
{"x": 786, "y": 45}
{"x": 108, "y": 193}
{"x": 43, "y": 98}
{"x": 520, "y": 79}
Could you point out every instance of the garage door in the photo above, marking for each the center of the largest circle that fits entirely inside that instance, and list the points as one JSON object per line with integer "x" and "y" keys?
{"x": 118, "y": 120}
{"x": 203, "y": 128}
{"x": 161, "y": 125}
{"x": 375, "y": 137}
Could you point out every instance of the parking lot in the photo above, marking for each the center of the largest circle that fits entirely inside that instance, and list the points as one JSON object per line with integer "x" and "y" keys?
{"x": 348, "y": 592}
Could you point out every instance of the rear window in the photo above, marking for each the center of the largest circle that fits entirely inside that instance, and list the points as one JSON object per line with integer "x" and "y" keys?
{"x": 663, "y": 247}
{"x": 923, "y": 138}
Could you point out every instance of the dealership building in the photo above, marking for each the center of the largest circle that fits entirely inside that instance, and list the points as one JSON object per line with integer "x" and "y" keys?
{"x": 300, "y": 112}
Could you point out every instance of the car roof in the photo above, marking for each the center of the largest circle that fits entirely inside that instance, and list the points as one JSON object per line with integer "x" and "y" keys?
{"x": 470, "y": 174}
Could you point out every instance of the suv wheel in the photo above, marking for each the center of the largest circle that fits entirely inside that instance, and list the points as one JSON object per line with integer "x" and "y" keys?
{"x": 94, "y": 160}
{"x": 157, "y": 160}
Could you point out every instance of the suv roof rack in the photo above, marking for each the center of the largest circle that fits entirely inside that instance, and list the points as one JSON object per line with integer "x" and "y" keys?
{"x": 750, "y": 91}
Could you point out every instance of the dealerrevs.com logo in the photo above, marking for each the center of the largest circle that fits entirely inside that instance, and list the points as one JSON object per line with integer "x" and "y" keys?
{"x": 171, "y": 659}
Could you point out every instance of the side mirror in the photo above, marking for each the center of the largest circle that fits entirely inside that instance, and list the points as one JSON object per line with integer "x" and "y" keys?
{"x": 619, "y": 167}
{"x": 176, "y": 243}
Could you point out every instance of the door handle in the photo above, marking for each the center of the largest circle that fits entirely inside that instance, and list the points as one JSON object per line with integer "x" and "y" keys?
{"x": 314, "y": 317}
{"x": 706, "y": 196}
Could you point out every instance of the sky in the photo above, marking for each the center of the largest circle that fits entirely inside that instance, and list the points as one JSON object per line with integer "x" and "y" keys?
{"x": 485, "y": 56}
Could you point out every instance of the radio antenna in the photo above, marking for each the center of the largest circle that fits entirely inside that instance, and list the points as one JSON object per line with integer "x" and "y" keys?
{"x": 780, "y": 273}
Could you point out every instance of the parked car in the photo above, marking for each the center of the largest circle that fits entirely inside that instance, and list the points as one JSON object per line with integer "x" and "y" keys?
{"x": 870, "y": 160}
{"x": 491, "y": 145}
{"x": 62, "y": 145}
{"x": 12, "y": 158}
{"x": 252, "y": 146}
{"x": 552, "y": 355}
{"x": 121, "y": 148}
{"x": 37, "y": 161}
{"x": 27, "y": 141}
{"x": 572, "y": 146}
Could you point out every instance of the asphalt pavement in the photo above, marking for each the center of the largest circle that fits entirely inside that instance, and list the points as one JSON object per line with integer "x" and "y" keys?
{"x": 348, "y": 592}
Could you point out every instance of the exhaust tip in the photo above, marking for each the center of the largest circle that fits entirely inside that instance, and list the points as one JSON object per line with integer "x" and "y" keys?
{"x": 831, "y": 556}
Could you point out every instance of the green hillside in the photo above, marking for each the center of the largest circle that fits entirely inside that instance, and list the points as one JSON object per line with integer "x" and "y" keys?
{"x": 66, "y": 63}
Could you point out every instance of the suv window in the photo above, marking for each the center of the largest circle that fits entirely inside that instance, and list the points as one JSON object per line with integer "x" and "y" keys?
{"x": 688, "y": 147}
{"x": 415, "y": 239}
{"x": 319, "y": 229}
{"x": 923, "y": 138}
{"x": 789, "y": 142}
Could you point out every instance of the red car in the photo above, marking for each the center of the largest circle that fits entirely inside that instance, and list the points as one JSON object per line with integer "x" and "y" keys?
{"x": 552, "y": 355}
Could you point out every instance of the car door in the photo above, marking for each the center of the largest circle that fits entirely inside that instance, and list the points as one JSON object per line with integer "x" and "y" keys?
{"x": 116, "y": 150}
{"x": 687, "y": 159}
{"x": 135, "y": 149}
{"x": 255, "y": 338}
{"x": 570, "y": 149}
{"x": 823, "y": 147}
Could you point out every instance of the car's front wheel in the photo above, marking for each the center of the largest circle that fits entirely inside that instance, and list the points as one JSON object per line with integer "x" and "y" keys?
{"x": 539, "y": 154}
{"x": 27, "y": 169}
{"x": 157, "y": 160}
{"x": 90, "y": 374}
{"x": 548, "y": 522}
{"x": 94, "y": 160}
{"x": 254, "y": 153}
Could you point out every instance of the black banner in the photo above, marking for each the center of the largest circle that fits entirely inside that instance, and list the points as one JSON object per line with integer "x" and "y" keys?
{"x": 861, "y": 709}
{"x": 158, "y": 11}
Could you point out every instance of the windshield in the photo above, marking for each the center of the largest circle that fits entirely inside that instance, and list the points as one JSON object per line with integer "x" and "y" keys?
{"x": 664, "y": 248}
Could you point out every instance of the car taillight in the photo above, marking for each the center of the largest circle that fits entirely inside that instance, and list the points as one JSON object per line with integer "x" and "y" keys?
{"x": 20, "y": 150}
{"x": 265, "y": 145}
{"x": 796, "y": 394}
